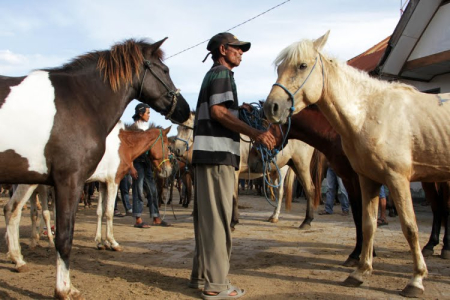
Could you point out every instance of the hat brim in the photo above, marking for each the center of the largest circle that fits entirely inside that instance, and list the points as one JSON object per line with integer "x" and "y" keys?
{"x": 244, "y": 46}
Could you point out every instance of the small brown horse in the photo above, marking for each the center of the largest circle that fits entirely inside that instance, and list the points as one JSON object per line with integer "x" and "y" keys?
{"x": 74, "y": 108}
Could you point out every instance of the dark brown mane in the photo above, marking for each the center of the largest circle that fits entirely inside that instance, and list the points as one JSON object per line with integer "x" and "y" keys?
{"x": 116, "y": 65}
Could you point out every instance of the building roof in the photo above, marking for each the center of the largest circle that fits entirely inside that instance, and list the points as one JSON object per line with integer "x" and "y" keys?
{"x": 368, "y": 60}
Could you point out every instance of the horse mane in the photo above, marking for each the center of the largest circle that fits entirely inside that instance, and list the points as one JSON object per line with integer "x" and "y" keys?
{"x": 117, "y": 65}
{"x": 298, "y": 52}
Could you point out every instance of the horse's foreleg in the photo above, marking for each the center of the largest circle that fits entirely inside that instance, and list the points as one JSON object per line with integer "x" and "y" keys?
{"x": 13, "y": 213}
{"x": 43, "y": 197}
{"x": 67, "y": 196}
{"x": 401, "y": 195}
{"x": 34, "y": 240}
{"x": 304, "y": 176}
{"x": 100, "y": 212}
{"x": 109, "y": 213}
{"x": 280, "y": 192}
{"x": 432, "y": 196}
{"x": 370, "y": 198}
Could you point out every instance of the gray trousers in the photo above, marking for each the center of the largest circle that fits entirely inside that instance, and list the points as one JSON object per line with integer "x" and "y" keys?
{"x": 214, "y": 186}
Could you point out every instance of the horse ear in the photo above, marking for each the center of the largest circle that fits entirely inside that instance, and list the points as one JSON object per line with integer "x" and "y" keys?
{"x": 320, "y": 42}
{"x": 158, "y": 44}
{"x": 166, "y": 131}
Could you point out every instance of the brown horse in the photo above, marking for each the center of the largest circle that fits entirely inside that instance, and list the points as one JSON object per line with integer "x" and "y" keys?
{"x": 72, "y": 109}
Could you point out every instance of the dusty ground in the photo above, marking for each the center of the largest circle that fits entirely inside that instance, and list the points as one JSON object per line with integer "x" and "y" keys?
{"x": 270, "y": 261}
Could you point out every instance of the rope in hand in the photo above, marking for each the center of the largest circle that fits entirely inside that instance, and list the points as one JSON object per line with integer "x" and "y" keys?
{"x": 255, "y": 118}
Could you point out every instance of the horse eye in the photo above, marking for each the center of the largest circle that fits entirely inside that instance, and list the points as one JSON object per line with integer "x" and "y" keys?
{"x": 303, "y": 66}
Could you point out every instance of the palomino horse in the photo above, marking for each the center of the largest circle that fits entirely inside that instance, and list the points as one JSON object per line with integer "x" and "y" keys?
{"x": 77, "y": 104}
{"x": 299, "y": 160}
{"x": 391, "y": 133}
{"x": 122, "y": 147}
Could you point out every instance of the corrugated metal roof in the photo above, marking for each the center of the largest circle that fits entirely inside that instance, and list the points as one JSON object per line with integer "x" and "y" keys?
{"x": 368, "y": 60}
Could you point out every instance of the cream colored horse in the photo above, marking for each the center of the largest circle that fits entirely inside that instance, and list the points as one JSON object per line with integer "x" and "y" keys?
{"x": 296, "y": 153}
{"x": 391, "y": 133}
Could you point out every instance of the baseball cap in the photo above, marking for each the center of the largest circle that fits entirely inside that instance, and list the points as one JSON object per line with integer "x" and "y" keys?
{"x": 226, "y": 38}
{"x": 140, "y": 108}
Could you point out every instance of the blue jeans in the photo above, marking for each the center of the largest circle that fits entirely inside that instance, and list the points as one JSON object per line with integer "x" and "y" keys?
{"x": 334, "y": 181}
{"x": 145, "y": 180}
{"x": 124, "y": 188}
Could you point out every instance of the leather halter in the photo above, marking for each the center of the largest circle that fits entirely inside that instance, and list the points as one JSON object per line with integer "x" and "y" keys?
{"x": 170, "y": 93}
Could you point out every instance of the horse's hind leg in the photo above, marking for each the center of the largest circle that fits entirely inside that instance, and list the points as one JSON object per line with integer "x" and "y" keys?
{"x": 109, "y": 213}
{"x": 34, "y": 240}
{"x": 13, "y": 213}
{"x": 101, "y": 204}
{"x": 43, "y": 197}
{"x": 67, "y": 194}
{"x": 432, "y": 196}
{"x": 370, "y": 192}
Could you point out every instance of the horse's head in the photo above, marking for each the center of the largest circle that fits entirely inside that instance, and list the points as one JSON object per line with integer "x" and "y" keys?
{"x": 185, "y": 136}
{"x": 159, "y": 154}
{"x": 153, "y": 84}
{"x": 300, "y": 79}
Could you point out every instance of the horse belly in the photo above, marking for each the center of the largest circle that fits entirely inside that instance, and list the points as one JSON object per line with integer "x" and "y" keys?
{"x": 26, "y": 121}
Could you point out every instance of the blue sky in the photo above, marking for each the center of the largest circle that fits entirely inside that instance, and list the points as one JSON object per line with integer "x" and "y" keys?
{"x": 43, "y": 34}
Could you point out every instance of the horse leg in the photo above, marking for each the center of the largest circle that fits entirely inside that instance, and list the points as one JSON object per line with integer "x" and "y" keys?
{"x": 100, "y": 213}
{"x": 43, "y": 197}
{"x": 304, "y": 176}
{"x": 401, "y": 195}
{"x": 67, "y": 195}
{"x": 109, "y": 213}
{"x": 13, "y": 213}
{"x": 235, "y": 213}
{"x": 445, "y": 253}
{"x": 34, "y": 215}
{"x": 188, "y": 189}
{"x": 432, "y": 197}
{"x": 280, "y": 192}
{"x": 370, "y": 198}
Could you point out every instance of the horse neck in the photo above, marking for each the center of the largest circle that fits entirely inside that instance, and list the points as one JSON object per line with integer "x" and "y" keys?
{"x": 311, "y": 127}
{"x": 106, "y": 105}
{"x": 345, "y": 97}
{"x": 139, "y": 141}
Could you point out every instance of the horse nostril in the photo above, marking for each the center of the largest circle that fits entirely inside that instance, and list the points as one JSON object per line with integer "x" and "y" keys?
{"x": 275, "y": 108}
{"x": 178, "y": 152}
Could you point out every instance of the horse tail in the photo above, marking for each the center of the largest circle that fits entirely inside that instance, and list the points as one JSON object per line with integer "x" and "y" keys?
{"x": 318, "y": 167}
{"x": 289, "y": 182}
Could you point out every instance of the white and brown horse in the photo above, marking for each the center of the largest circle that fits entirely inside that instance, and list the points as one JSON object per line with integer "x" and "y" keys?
{"x": 70, "y": 111}
{"x": 391, "y": 133}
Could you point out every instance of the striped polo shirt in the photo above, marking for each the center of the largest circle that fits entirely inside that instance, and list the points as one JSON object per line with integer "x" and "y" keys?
{"x": 214, "y": 143}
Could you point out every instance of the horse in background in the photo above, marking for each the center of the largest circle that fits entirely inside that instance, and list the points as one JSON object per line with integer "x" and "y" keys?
{"x": 299, "y": 160}
{"x": 386, "y": 129}
{"x": 122, "y": 147}
{"x": 77, "y": 104}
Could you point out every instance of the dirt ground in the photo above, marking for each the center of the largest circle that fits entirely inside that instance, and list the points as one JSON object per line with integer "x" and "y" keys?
{"x": 270, "y": 261}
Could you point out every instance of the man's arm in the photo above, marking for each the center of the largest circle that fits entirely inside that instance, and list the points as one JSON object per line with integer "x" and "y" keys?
{"x": 222, "y": 115}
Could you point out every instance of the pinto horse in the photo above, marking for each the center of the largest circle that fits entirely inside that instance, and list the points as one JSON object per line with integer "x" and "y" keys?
{"x": 77, "y": 104}
{"x": 391, "y": 133}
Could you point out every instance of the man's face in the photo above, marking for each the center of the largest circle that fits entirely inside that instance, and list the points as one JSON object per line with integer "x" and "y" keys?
{"x": 233, "y": 56}
{"x": 146, "y": 115}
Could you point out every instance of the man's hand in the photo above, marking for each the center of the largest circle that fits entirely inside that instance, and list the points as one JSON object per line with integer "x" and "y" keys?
{"x": 266, "y": 138}
{"x": 247, "y": 107}
{"x": 133, "y": 172}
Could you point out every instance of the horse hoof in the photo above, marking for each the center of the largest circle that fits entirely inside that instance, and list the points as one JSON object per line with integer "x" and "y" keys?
{"x": 352, "y": 282}
{"x": 101, "y": 247}
{"x": 427, "y": 252}
{"x": 305, "y": 226}
{"x": 117, "y": 248}
{"x": 445, "y": 254}
{"x": 23, "y": 269}
{"x": 273, "y": 220}
{"x": 351, "y": 262}
{"x": 411, "y": 291}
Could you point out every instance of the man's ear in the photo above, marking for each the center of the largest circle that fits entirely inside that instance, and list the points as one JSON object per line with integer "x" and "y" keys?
{"x": 222, "y": 49}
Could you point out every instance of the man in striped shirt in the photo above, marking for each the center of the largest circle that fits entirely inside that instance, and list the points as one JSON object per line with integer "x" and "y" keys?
{"x": 216, "y": 157}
